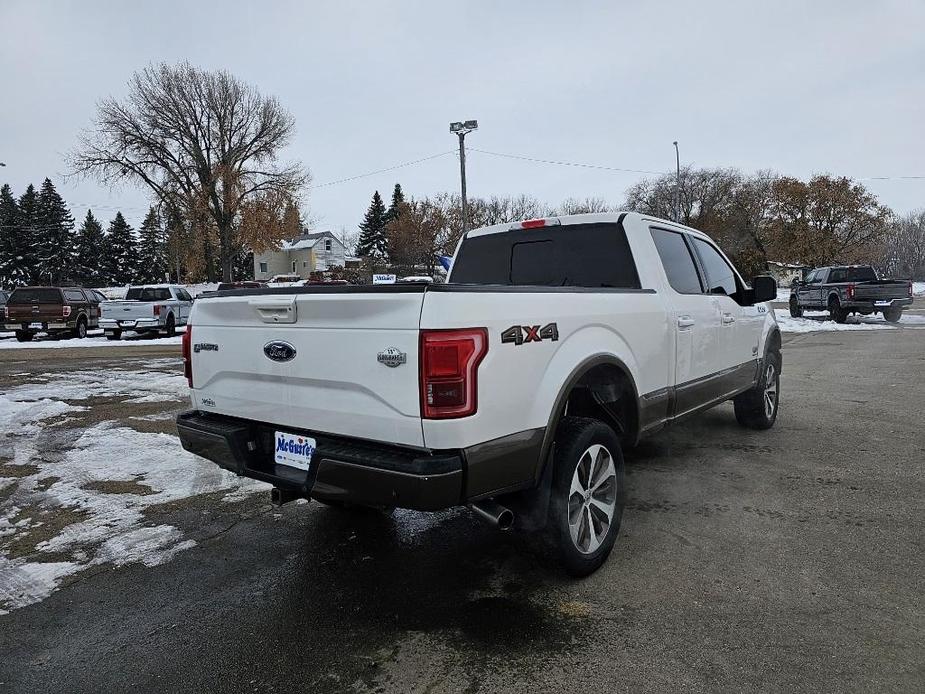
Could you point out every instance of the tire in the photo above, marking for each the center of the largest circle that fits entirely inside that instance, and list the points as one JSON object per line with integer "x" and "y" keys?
{"x": 114, "y": 335}
{"x": 23, "y": 336}
{"x": 796, "y": 310}
{"x": 582, "y": 445}
{"x": 836, "y": 312}
{"x": 893, "y": 315}
{"x": 757, "y": 408}
{"x": 171, "y": 328}
{"x": 81, "y": 332}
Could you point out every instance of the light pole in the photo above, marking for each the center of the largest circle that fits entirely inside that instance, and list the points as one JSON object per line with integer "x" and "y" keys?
{"x": 677, "y": 184}
{"x": 462, "y": 129}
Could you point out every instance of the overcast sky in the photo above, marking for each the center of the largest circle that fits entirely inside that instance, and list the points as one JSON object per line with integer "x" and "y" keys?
{"x": 799, "y": 87}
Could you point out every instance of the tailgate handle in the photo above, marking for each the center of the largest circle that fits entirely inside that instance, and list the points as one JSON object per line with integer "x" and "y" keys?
{"x": 276, "y": 311}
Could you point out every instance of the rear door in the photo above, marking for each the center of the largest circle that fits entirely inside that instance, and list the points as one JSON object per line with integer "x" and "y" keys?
{"x": 325, "y": 360}
{"x": 694, "y": 317}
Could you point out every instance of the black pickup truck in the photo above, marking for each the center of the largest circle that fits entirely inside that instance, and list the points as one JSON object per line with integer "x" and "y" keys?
{"x": 847, "y": 289}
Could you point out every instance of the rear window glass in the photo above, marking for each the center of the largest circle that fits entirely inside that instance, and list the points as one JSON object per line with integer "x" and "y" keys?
{"x": 571, "y": 255}
{"x": 148, "y": 294}
{"x": 861, "y": 274}
{"x": 35, "y": 296}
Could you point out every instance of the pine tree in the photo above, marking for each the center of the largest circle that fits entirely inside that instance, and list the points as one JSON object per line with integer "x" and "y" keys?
{"x": 10, "y": 238}
{"x": 55, "y": 236}
{"x": 121, "y": 254}
{"x": 28, "y": 269}
{"x": 89, "y": 266}
{"x": 398, "y": 199}
{"x": 373, "y": 240}
{"x": 152, "y": 249}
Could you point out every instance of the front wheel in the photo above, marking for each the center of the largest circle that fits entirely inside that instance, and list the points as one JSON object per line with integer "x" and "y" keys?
{"x": 757, "y": 408}
{"x": 588, "y": 494}
{"x": 893, "y": 315}
{"x": 796, "y": 311}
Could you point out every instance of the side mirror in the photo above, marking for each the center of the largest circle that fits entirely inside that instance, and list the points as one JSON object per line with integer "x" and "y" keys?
{"x": 795, "y": 282}
{"x": 764, "y": 288}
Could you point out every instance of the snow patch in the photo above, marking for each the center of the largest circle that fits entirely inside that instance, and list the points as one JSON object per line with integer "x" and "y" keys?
{"x": 140, "y": 386}
{"x": 89, "y": 342}
{"x": 818, "y": 321}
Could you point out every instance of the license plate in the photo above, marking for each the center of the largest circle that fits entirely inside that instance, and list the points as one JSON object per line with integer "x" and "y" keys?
{"x": 294, "y": 450}
{"x": 882, "y": 303}
{"x": 35, "y": 326}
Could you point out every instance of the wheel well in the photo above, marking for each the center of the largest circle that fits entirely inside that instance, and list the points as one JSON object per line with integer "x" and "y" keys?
{"x": 606, "y": 392}
{"x": 833, "y": 295}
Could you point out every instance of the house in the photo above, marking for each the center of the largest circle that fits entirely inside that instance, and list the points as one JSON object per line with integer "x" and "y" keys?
{"x": 785, "y": 273}
{"x": 301, "y": 256}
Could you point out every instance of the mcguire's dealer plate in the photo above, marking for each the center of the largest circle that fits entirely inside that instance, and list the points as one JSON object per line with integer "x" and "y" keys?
{"x": 35, "y": 326}
{"x": 882, "y": 303}
{"x": 293, "y": 450}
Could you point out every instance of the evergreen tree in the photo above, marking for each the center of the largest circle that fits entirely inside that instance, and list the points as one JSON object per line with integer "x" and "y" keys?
{"x": 11, "y": 272}
{"x": 152, "y": 249}
{"x": 121, "y": 254}
{"x": 89, "y": 266}
{"x": 28, "y": 237}
{"x": 398, "y": 199}
{"x": 373, "y": 240}
{"x": 55, "y": 251}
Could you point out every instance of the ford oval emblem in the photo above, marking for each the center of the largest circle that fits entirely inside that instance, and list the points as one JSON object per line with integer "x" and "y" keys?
{"x": 279, "y": 351}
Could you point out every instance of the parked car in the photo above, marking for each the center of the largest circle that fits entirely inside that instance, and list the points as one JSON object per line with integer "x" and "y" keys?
{"x": 160, "y": 308}
{"x": 3, "y": 299}
{"x": 56, "y": 310}
{"x": 425, "y": 279}
{"x": 845, "y": 289}
{"x": 509, "y": 389}
{"x": 226, "y": 286}
{"x": 285, "y": 280}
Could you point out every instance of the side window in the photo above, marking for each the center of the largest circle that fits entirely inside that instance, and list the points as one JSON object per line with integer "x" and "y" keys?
{"x": 74, "y": 296}
{"x": 183, "y": 295}
{"x": 677, "y": 261}
{"x": 720, "y": 277}
{"x": 838, "y": 276}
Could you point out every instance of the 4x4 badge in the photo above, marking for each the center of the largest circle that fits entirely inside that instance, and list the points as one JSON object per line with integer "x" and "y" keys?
{"x": 392, "y": 357}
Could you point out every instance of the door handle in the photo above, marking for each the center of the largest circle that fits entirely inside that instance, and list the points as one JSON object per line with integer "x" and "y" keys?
{"x": 728, "y": 319}
{"x": 685, "y": 322}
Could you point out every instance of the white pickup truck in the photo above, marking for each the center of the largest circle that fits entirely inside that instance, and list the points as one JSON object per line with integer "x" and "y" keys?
{"x": 157, "y": 308}
{"x": 510, "y": 389}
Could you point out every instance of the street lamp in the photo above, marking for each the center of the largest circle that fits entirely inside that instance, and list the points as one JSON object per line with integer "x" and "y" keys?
{"x": 677, "y": 184}
{"x": 462, "y": 129}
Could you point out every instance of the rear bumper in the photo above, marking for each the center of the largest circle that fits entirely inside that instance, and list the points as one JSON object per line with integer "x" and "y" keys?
{"x": 341, "y": 469}
{"x": 876, "y": 305}
{"x": 131, "y": 324}
{"x": 41, "y": 326}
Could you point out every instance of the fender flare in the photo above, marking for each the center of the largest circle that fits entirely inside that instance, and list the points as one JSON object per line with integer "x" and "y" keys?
{"x": 558, "y": 408}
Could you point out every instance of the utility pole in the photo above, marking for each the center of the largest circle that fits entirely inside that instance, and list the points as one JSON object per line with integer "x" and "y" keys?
{"x": 462, "y": 129}
{"x": 677, "y": 184}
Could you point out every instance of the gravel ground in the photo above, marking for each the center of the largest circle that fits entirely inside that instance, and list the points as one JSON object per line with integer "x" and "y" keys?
{"x": 778, "y": 561}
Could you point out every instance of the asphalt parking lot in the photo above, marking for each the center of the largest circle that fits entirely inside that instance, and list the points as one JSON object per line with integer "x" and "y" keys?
{"x": 783, "y": 560}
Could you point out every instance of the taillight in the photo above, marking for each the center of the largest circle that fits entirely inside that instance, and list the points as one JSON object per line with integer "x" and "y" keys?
{"x": 849, "y": 291}
{"x": 910, "y": 289}
{"x": 449, "y": 371}
{"x": 157, "y": 309}
{"x": 65, "y": 311}
{"x": 188, "y": 355}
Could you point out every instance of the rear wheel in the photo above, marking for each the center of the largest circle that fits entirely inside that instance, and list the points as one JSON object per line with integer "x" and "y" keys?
{"x": 171, "y": 328}
{"x": 796, "y": 311}
{"x": 893, "y": 315}
{"x": 23, "y": 336}
{"x": 757, "y": 408}
{"x": 81, "y": 331}
{"x": 836, "y": 312}
{"x": 114, "y": 335}
{"x": 588, "y": 494}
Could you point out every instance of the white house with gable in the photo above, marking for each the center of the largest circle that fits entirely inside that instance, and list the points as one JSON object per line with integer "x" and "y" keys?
{"x": 301, "y": 256}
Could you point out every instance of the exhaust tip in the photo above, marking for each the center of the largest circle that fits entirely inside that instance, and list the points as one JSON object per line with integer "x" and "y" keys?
{"x": 506, "y": 520}
{"x": 494, "y": 513}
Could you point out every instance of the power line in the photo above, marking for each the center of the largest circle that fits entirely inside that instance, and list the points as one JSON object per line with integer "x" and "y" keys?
{"x": 379, "y": 171}
{"x": 564, "y": 163}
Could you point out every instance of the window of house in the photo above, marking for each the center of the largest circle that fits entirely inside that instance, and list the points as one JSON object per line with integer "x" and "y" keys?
{"x": 304, "y": 263}
{"x": 327, "y": 245}
{"x": 263, "y": 267}
{"x": 293, "y": 267}
{"x": 677, "y": 261}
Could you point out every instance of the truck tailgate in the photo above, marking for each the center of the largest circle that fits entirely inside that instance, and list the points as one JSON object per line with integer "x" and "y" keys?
{"x": 881, "y": 290}
{"x": 126, "y": 310}
{"x": 334, "y": 381}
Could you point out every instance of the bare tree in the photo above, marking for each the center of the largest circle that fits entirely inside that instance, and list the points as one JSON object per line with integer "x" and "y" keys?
{"x": 904, "y": 247}
{"x": 205, "y": 144}
{"x": 584, "y": 206}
